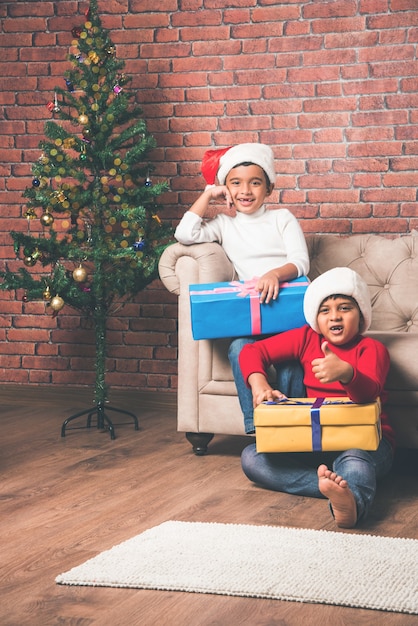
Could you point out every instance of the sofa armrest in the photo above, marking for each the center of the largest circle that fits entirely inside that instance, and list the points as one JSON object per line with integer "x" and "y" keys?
{"x": 179, "y": 267}
{"x": 199, "y": 263}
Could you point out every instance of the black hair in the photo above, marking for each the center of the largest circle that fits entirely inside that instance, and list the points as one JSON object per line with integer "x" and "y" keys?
{"x": 246, "y": 164}
{"x": 334, "y": 296}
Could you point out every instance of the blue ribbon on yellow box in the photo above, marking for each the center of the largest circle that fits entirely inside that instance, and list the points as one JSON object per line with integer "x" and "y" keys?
{"x": 233, "y": 309}
{"x": 316, "y": 424}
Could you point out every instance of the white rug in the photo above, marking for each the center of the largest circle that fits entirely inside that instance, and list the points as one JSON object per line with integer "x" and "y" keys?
{"x": 263, "y": 562}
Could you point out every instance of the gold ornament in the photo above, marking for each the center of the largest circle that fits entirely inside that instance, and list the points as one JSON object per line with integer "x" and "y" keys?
{"x": 93, "y": 56}
{"x": 47, "y": 294}
{"x": 69, "y": 143}
{"x": 80, "y": 274}
{"x": 83, "y": 119}
{"x": 30, "y": 214}
{"x": 59, "y": 195}
{"x": 29, "y": 261}
{"x": 56, "y": 303}
{"x": 47, "y": 219}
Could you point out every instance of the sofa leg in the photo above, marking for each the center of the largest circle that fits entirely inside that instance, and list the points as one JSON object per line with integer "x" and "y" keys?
{"x": 199, "y": 442}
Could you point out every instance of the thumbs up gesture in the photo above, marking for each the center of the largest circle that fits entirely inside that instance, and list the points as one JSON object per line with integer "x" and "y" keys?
{"x": 331, "y": 368}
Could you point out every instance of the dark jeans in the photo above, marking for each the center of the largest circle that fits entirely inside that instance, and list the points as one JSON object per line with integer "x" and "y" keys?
{"x": 289, "y": 380}
{"x": 296, "y": 472}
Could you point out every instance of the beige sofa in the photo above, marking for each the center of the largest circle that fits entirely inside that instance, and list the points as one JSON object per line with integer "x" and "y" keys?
{"x": 207, "y": 398}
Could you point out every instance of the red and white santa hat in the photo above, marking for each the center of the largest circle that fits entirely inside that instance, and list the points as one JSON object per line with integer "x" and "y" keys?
{"x": 217, "y": 163}
{"x": 338, "y": 281}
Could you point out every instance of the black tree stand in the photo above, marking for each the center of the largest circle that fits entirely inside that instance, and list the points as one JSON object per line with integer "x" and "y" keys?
{"x": 103, "y": 421}
{"x": 101, "y": 407}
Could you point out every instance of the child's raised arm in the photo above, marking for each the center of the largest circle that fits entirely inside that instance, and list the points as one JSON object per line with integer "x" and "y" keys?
{"x": 212, "y": 192}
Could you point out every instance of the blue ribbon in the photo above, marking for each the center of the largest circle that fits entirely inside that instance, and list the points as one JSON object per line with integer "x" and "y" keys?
{"x": 316, "y": 425}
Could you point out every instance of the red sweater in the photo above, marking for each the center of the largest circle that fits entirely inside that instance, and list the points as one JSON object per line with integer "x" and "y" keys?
{"x": 368, "y": 357}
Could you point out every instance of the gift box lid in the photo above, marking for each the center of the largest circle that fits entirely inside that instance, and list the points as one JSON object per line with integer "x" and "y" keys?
{"x": 244, "y": 289}
{"x": 332, "y": 411}
{"x": 233, "y": 309}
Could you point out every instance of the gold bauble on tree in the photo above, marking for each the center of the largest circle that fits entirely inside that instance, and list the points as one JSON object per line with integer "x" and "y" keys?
{"x": 47, "y": 219}
{"x": 29, "y": 261}
{"x": 83, "y": 119}
{"x": 80, "y": 274}
{"x": 56, "y": 303}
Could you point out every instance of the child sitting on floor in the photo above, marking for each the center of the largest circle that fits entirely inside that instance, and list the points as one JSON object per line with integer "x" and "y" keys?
{"x": 337, "y": 361}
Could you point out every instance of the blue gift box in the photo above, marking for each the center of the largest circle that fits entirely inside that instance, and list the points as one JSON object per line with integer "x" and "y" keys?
{"x": 234, "y": 310}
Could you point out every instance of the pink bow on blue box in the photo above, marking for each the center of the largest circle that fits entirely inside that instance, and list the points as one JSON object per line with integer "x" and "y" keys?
{"x": 234, "y": 310}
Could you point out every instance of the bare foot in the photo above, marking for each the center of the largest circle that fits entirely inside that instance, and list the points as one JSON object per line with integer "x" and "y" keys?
{"x": 336, "y": 489}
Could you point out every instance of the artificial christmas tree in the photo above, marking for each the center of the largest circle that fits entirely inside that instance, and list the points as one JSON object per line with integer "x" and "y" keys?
{"x": 99, "y": 237}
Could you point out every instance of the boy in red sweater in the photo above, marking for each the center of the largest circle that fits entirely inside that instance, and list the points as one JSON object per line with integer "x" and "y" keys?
{"x": 337, "y": 361}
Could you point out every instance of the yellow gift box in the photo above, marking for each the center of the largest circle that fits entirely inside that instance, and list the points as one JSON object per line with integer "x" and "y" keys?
{"x": 316, "y": 424}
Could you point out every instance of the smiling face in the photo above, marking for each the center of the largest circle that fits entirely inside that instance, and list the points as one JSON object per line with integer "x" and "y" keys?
{"x": 248, "y": 187}
{"x": 339, "y": 319}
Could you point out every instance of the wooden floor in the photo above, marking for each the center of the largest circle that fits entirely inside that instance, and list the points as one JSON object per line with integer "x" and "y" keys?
{"x": 64, "y": 500}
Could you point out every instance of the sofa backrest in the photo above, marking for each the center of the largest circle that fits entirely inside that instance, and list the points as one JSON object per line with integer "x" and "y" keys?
{"x": 388, "y": 265}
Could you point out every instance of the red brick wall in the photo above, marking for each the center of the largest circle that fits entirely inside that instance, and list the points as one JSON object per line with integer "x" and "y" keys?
{"x": 331, "y": 86}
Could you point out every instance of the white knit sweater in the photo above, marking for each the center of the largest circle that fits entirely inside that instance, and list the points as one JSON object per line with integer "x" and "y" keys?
{"x": 254, "y": 243}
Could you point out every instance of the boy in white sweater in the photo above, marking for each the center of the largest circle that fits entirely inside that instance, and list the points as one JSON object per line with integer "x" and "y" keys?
{"x": 265, "y": 244}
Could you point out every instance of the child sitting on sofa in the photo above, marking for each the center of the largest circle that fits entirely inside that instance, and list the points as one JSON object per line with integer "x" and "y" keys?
{"x": 262, "y": 243}
{"x": 337, "y": 361}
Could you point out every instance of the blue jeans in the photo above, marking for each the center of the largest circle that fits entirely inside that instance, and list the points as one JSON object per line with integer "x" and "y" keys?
{"x": 289, "y": 380}
{"x": 296, "y": 473}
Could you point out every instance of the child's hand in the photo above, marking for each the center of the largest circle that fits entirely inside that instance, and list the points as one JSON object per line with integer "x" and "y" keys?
{"x": 220, "y": 192}
{"x": 331, "y": 367}
{"x": 268, "y": 286}
{"x": 268, "y": 395}
{"x": 261, "y": 389}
